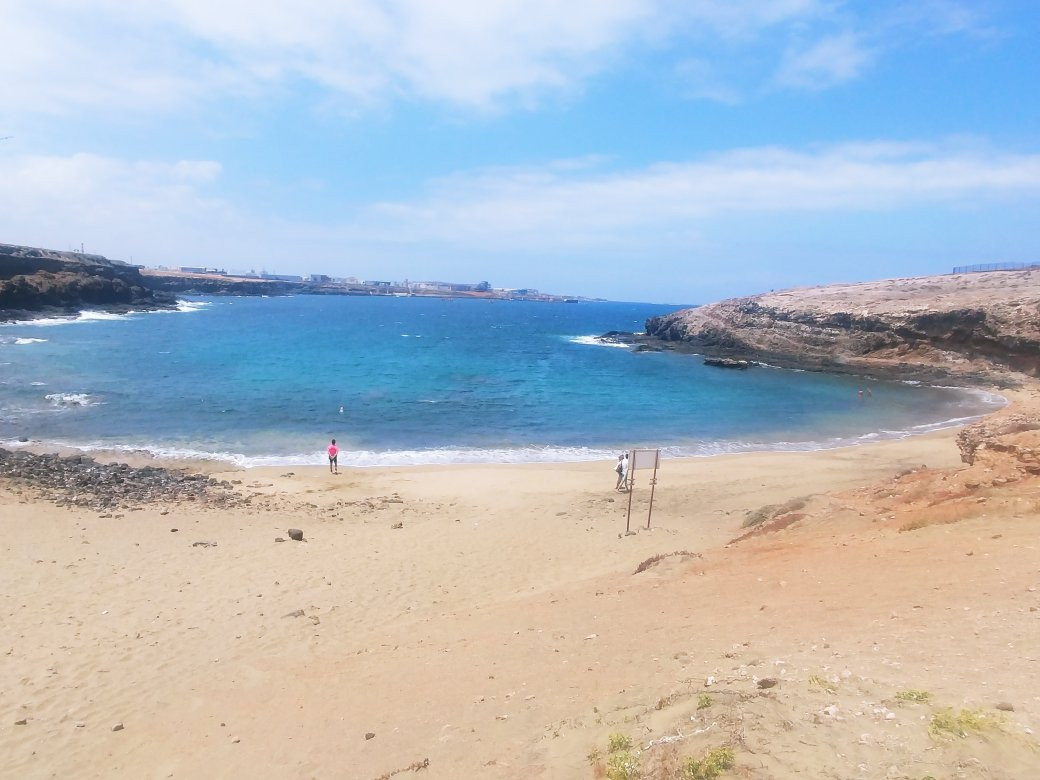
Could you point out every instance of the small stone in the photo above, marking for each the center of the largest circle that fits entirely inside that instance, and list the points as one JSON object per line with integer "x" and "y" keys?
{"x": 295, "y": 534}
{"x": 397, "y": 525}
{"x": 767, "y": 682}
{"x": 80, "y": 724}
{"x": 279, "y": 539}
{"x": 295, "y": 613}
{"x": 1005, "y": 706}
{"x": 21, "y": 721}
{"x": 173, "y": 530}
{"x": 235, "y": 741}
{"x": 117, "y": 726}
{"x": 369, "y": 734}
{"x": 709, "y": 681}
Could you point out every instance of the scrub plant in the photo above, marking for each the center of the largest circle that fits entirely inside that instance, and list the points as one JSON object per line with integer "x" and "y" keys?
{"x": 960, "y": 724}
{"x": 622, "y": 764}
{"x": 912, "y": 694}
{"x": 713, "y": 764}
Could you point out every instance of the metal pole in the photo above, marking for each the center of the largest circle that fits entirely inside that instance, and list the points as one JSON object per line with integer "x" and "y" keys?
{"x": 653, "y": 485}
{"x": 630, "y": 483}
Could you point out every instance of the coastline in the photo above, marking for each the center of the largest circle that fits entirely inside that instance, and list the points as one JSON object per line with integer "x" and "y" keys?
{"x": 497, "y": 620}
{"x": 997, "y": 398}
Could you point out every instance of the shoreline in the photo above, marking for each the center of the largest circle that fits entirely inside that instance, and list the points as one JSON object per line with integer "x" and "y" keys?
{"x": 218, "y": 462}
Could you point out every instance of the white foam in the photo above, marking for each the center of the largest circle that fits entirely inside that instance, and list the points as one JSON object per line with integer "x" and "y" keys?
{"x": 595, "y": 341}
{"x": 104, "y": 316}
{"x": 30, "y": 341}
{"x": 71, "y": 399}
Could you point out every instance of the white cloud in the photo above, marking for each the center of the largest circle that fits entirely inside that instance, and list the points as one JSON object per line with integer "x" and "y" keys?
{"x": 829, "y": 61}
{"x": 566, "y": 208}
{"x": 64, "y": 55}
{"x": 543, "y": 208}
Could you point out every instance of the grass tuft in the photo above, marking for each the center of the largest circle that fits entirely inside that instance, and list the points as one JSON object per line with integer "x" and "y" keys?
{"x": 962, "y": 724}
{"x": 623, "y": 765}
{"x": 618, "y": 741}
{"x": 713, "y": 764}
{"x": 822, "y": 682}
{"x": 704, "y": 701}
{"x": 914, "y": 695}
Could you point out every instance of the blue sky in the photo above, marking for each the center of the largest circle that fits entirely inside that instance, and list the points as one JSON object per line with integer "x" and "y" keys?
{"x": 655, "y": 150}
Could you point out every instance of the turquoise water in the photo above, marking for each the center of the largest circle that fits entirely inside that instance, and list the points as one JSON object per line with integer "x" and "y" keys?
{"x": 412, "y": 380}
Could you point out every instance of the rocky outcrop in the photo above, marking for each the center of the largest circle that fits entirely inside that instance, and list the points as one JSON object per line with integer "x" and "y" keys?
{"x": 973, "y": 326}
{"x": 42, "y": 283}
{"x": 81, "y": 481}
{"x": 201, "y": 284}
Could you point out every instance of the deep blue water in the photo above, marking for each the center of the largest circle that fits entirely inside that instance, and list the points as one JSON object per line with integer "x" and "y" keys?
{"x": 263, "y": 380}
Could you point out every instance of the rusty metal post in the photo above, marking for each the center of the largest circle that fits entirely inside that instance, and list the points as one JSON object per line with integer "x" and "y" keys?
{"x": 653, "y": 486}
{"x": 630, "y": 483}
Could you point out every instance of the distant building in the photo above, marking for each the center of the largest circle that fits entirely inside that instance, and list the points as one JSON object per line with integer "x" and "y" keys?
{"x": 191, "y": 269}
{"x": 320, "y": 278}
{"x": 281, "y": 277}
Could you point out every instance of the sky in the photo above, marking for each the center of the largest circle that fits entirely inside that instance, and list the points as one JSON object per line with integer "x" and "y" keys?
{"x": 669, "y": 151}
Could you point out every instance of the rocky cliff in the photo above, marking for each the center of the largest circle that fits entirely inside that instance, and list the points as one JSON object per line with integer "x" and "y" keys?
{"x": 971, "y": 326}
{"x": 41, "y": 283}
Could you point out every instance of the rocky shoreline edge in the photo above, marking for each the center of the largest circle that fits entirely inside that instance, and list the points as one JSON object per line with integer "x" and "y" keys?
{"x": 962, "y": 329}
{"x": 81, "y": 481}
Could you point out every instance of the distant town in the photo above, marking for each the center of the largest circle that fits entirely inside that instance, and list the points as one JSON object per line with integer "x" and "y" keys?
{"x": 209, "y": 280}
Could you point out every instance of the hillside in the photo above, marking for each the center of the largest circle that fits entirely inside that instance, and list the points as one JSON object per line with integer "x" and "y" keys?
{"x": 38, "y": 283}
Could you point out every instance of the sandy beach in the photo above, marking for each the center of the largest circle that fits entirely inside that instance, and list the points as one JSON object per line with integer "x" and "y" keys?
{"x": 487, "y": 621}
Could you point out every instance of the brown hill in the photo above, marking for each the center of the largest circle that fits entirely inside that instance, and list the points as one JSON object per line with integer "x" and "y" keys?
{"x": 960, "y": 325}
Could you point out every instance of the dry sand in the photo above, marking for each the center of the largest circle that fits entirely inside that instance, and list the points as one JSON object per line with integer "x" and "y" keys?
{"x": 500, "y": 631}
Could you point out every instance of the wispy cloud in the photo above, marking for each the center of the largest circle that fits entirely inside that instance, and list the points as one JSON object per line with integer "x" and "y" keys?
{"x": 62, "y": 56}
{"x": 827, "y": 62}
{"x": 577, "y": 203}
{"x": 541, "y": 207}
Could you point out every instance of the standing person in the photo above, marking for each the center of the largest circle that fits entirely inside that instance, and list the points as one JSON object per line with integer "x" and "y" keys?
{"x": 621, "y": 469}
{"x": 333, "y": 458}
{"x": 624, "y": 474}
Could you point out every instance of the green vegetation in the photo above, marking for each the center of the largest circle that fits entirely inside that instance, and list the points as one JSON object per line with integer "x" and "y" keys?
{"x": 623, "y": 764}
{"x": 822, "y": 682}
{"x": 960, "y": 724}
{"x": 913, "y": 694}
{"x": 704, "y": 701}
{"x": 713, "y": 764}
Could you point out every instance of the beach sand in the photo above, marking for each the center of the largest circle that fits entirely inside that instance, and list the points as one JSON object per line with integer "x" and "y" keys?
{"x": 487, "y": 621}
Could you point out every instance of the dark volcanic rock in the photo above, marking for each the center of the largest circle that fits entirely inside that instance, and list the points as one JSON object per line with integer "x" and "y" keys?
{"x": 41, "y": 283}
{"x": 81, "y": 481}
{"x": 728, "y": 363}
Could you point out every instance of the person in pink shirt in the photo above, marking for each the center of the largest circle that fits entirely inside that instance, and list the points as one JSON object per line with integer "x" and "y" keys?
{"x": 333, "y": 458}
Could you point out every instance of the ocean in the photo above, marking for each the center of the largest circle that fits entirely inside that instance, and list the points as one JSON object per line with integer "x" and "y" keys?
{"x": 402, "y": 381}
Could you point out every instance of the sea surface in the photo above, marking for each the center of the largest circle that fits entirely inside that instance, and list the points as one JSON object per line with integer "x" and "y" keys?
{"x": 401, "y": 381}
